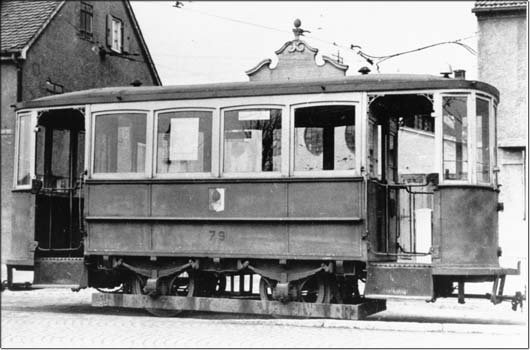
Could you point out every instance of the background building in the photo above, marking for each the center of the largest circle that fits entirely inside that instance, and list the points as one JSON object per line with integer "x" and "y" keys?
{"x": 503, "y": 62}
{"x": 51, "y": 47}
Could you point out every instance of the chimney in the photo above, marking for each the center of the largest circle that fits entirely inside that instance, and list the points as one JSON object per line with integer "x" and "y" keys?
{"x": 460, "y": 74}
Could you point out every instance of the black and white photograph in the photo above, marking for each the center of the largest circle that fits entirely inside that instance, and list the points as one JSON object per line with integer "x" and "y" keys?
{"x": 264, "y": 174}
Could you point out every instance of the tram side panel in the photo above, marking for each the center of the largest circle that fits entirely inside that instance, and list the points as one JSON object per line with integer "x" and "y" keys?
{"x": 465, "y": 227}
{"x": 23, "y": 228}
{"x": 253, "y": 219}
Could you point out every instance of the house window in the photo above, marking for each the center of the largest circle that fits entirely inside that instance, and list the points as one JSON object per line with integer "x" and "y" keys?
{"x": 117, "y": 31}
{"x": 86, "y": 20}
{"x": 120, "y": 143}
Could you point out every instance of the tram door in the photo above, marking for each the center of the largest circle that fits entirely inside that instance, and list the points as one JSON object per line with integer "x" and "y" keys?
{"x": 383, "y": 171}
{"x": 60, "y": 144}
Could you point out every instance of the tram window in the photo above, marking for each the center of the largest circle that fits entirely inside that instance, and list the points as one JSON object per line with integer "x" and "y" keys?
{"x": 252, "y": 140}
{"x": 374, "y": 149}
{"x": 324, "y": 138}
{"x": 483, "y": 140}
{"x": 60, "y": 153}
{"x": 24, "y": 150}
{"x": 184, "y": 142}
{"x": 120, "y": 141}
{"x": 455, "y": 138}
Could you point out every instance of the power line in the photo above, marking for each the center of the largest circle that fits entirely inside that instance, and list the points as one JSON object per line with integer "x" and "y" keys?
{"x": 371, "y": 59}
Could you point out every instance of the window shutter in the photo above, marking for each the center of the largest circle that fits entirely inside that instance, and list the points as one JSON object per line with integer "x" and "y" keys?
{"x": 126, "y": 39}
{"x": 109, "y": 30}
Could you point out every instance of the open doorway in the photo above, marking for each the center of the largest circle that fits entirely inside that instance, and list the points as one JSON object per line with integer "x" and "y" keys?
{"x": 59, "y": 167}
{"x": 400, "y": 158}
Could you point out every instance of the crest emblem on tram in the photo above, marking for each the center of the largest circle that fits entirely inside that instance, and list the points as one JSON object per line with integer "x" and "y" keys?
{"x": 216, "y": 199}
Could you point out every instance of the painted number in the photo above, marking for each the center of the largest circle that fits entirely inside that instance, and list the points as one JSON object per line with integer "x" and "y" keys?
{"x": 217, "y": 235}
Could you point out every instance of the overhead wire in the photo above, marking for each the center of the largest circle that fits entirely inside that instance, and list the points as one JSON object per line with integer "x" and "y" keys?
{"x": 371, "y": 59}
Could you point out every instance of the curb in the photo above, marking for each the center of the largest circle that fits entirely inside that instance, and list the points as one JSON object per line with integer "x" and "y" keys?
{"x": 462, "y": 328}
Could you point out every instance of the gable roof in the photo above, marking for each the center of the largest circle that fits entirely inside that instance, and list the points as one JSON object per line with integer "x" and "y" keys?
{"x": 22, "y": 21}
{"x": 142, "y": 42}
{"x": 498, "y": 5}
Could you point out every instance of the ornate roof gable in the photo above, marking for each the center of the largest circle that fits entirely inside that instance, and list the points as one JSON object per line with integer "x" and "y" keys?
{"x": 296, "y": 60}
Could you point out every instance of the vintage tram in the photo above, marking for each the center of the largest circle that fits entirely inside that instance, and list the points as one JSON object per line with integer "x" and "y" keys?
{"x": 180, "y": 197}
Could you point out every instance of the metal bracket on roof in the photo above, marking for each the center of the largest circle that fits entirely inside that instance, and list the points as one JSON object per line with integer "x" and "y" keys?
{"x": 79, "y": 109}
{"x": 372, "y": 98}
{"x": 429, "y": 97}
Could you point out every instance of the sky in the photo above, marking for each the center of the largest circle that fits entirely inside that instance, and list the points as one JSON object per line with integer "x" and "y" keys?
{"x": 217, "y": 41}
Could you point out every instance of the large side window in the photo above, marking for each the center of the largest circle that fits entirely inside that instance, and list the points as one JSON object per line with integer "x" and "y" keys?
{"x": 324, "y": 138}
{"x": 24, "y": 150}
{"x": 455, "y": 124}
{"x": 483, "y": 140}
{"x": 184, "y": 142}
{"x": 119, "y": 143}
{"x": 252, "y": 141}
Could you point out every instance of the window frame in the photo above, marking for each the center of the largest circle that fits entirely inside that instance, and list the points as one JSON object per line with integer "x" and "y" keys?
{"x": 33, "y": 121}
{"x": 119, "y": 37}
{"x": 470, "y": 110}
{"x": 358, "y": 141}
{"x": 490, "y": 140}
{"x": 284, "y": 142}
{"x": 472, "y": 96}
{"x": 84, "y": 13}
{"x": 214, "y": 151}
{"x": 147, "y": 173}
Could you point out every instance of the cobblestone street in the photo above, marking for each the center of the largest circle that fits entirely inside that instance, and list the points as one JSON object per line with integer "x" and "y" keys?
{"x": 63, "y": 319}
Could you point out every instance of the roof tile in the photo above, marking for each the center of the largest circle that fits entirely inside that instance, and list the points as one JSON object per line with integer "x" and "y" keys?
{"x": 21, "y": 21}
{"x": 498, "y": 4}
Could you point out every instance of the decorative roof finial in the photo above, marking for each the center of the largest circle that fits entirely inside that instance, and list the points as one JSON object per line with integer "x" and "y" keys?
{"x": 297, "y": 30}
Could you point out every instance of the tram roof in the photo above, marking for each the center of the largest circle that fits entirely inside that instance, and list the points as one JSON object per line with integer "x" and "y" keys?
{"x": 367, "y": 83}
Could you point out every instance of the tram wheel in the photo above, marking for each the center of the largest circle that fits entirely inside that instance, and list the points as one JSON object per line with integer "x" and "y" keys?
{"x": 183, "y": 285}
{"x": 315, "y": 289}
{"x": 265, "y": 289}
{"x": 179, "y": 285}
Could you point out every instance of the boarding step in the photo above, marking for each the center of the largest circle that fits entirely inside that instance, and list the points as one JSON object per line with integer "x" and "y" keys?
{"x": 399, "y": 280}
{"x": 60, "y": 273}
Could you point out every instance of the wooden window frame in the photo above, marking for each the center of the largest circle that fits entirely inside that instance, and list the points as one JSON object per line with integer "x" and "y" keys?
{"x": 284, "y": 144}
{"x": 147, "y": 173}
{"x": 215, "y": 140}
{"x": 358, "y": 140}
{"x": 86, "y": 13}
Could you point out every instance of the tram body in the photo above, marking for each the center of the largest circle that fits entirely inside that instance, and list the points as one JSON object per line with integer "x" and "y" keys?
{"x": 177, "y": 190}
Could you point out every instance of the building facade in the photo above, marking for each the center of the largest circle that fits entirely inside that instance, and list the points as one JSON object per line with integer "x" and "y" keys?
{"x": 503, "y": 62}
{"x": 51, "y": 47}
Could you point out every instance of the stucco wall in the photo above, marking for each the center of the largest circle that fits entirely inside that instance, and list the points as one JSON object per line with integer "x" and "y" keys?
{"x": 9, "y": 96}
{"x": 503, "y": 62}
{"x": 63, "y": 56}
{"x": 415, "y": 151}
